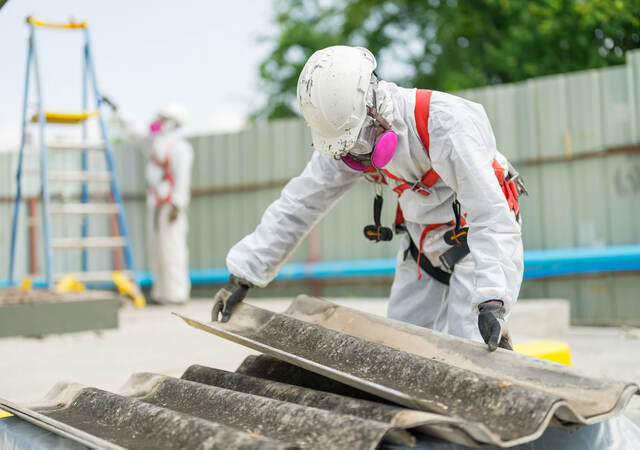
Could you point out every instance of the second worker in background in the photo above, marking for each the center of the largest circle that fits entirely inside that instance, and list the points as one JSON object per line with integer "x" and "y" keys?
{"x": 168, "y": 176}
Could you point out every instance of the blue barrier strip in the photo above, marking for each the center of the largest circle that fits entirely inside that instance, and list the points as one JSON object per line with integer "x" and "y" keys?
{"x": 538, "y": 264}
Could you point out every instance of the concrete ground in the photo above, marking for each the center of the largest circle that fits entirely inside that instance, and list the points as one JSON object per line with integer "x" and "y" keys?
{"x": 153, "y": 340}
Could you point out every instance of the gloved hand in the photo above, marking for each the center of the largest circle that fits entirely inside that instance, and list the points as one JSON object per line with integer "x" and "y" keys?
{"x": 173, "y": 214}
{"x": 492, "y": 326}
{"x": 226, "y": 298}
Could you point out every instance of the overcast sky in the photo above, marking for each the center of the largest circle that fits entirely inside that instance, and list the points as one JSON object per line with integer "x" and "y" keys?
{"x": 203, "y": 54}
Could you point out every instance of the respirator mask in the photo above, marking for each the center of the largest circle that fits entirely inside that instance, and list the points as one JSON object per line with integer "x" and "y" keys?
{"x": 376, "y": 142}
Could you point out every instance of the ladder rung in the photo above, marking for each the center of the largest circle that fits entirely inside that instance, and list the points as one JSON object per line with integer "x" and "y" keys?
{"x": 69, "y": 118}
{"x": 79, "y": 175}
{"x": 71, "y": 145}
{"x": 84, "y": 208}
{"x": 95, "y": 242}
{"x": 87, "y": 277}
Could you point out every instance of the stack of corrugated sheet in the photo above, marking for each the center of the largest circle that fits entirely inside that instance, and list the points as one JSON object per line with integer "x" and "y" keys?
{"x": 342, "y": 380}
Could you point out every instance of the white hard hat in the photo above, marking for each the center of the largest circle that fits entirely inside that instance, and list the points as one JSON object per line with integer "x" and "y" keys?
{"x": 175, "y": 112}
{"x": 332, "y": 91}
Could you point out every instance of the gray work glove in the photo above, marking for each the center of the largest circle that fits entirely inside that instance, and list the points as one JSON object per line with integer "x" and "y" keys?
{"x": 226, "y": 298}
{"x": 492, "y": 326}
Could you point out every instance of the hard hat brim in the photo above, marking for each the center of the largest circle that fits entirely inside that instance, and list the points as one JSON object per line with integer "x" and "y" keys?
{"x": 335, "y": 146}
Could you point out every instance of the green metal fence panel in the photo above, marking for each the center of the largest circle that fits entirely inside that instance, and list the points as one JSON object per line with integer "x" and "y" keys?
{"x": 625, "y": 292}
{"x": 551, "y": 111}
{"x": 505, "y": 122}
{"x": 633, "y": 87}
{"x": 622, "y": 175}
{"x": 558, "y": 211}
{"x": 589, "y": 188}
{"x": 616, "y": 121}
{"x": 531, "y": 208}
{"x": 585, "y": 110}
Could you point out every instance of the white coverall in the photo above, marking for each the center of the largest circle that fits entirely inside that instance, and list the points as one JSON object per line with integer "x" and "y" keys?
{"x": 462, "y": 149}
{"x": 166, "y": 239}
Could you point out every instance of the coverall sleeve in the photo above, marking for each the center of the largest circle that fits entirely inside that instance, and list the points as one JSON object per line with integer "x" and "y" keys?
{"x": 257, "y": 258}
{"x": 462, "y": 151}
{"x": 181, "y": 164}
{"x": 140, "y": 139}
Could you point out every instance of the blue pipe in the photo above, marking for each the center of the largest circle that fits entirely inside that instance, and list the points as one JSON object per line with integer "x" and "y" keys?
{"x": 538, "y": 264}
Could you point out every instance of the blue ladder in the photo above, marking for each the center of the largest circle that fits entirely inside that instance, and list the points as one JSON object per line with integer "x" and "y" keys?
{"x": 108, "y": 209}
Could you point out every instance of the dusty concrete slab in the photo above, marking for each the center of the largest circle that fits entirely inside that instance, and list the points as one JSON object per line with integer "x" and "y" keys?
{"x": 42, "y": 312}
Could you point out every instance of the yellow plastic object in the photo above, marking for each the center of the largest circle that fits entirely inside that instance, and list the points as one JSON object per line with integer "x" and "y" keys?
{"x": 67, "y": 118}
{"x": 4, "y": 414}
{"x": 556, "y": 351}
{"x": 27, "y": 284}
{"x": 69, "y": 283}
{"x": 44, "y": 24}
{"x": 127, "y": 287}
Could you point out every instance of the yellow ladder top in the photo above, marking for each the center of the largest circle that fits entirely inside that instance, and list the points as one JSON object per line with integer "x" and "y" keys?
{"x": 64, "y": 117}
{"x": 44, "y": 24}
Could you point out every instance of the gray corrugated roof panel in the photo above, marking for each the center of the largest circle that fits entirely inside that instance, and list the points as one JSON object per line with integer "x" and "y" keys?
{"x": 586, "y": 397}
{"x": 372, "y": 410}
{"x": 487, "y": 405}
{"x": 304, "y": 426}
{"x": 156, "y": 411}
{"x": 131, "y": 423}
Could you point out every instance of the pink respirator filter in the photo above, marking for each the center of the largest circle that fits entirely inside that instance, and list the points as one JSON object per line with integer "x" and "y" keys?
{"x": 382, "y": 153}
{"x": 385, "y": 149}
{"x": 155, "y": 126}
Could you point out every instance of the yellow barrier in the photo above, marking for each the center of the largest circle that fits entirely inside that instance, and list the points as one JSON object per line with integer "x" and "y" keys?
{"x": 27, "y": 284}
{"x": 556, "y": 351}
{"x": 127, "y": 287}
{"x": 69, "y": 25}
{"x": 4, "y": 414}
{"x": 69, "y": 283}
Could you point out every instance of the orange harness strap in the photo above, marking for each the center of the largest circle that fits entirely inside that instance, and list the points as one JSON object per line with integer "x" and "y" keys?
{"x": 421, "y": 113}
{"x": 168, "y": 175}
{"x": 509, "y": 188}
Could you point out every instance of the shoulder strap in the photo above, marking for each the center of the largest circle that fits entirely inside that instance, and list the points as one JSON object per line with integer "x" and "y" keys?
{"x": 423, "y": 98}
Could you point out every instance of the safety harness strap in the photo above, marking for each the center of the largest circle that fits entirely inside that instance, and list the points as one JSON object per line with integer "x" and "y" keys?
{"x": 421, "y": 113}
{"x": 509, "y": 188}
{"x": 424, "y": 264}
{"x": 167, "y": 175}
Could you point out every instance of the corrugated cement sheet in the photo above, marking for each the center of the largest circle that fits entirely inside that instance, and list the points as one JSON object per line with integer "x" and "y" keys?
{"x": 499, "y": 398}
{"x": 213, "y": 409}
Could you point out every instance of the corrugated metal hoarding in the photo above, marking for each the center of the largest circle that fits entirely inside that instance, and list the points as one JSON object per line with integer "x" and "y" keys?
{"x": 575, "y": 138}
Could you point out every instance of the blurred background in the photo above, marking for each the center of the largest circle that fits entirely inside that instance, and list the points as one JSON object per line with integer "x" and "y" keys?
{"x": 560, "y": 81}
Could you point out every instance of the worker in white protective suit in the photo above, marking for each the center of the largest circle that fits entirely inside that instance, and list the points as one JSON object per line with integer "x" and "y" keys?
{"x": 460, "y": 265}
{"x": 168, "y": 175}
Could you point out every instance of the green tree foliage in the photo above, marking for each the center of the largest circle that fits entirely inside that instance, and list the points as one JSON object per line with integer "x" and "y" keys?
{"x": 450, "y": 44}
